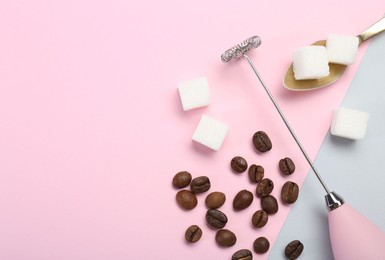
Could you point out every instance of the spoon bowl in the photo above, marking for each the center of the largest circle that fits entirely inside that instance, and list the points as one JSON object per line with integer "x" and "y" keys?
{"x": 336, "y": 70}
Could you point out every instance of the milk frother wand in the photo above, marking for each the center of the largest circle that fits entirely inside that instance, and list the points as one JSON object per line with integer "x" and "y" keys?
{"x": 352, "y": 235}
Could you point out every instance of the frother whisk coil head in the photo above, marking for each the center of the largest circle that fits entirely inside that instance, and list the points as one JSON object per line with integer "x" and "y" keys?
{"x": 240, "y": 49}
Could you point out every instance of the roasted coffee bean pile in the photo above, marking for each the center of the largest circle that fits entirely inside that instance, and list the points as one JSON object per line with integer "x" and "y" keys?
{"x": 217, "y": 220}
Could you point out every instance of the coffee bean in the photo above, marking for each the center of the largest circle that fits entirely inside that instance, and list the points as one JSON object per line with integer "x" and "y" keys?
{"x": 286, "y": 165}
{"x": 259, "y": 218}
{"x": 216, "y": 219}
{"x": 269, "y": 204}
{"x": 261, "y": 245}
{"x": 181, "y": 179}
{"x": 225, "y": 238}
{"x": 186, "y": 199}
{"x": 264, "y": 187}
{"x": 193, "y": 234}
{"x": 238, "y": 164}
{"x": 262, "y": 142}
{"x": 289, "y": 192}
{"x": 200, "y": 184}
{"x": 294, "y": 249}
{"x": 256, "y": 173}
{"x": 242, "y": 200}
{"x": 215, "y": 200}
{"x": 243, "y": 254}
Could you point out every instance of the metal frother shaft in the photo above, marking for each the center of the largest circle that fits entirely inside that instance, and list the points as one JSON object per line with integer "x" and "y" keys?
{"x": 333, "y": 200}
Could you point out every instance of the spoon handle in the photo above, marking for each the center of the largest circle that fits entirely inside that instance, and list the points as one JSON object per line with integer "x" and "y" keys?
{"x": 373, "y": 30}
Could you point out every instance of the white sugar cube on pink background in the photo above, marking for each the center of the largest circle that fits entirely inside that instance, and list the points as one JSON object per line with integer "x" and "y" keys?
{"x": 210, "y": 132}
{"x": 194, "y": 93}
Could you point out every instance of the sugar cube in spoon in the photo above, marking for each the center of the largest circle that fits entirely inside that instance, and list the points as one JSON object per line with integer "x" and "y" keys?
{"x": 342, "y": 49}
{"x": 310, "y": 62}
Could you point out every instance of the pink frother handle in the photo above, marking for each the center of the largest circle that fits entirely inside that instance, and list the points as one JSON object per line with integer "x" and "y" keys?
{"x": 354, "y": 237}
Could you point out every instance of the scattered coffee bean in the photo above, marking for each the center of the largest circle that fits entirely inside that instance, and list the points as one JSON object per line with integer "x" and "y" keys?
{"x": 238, "y": 164}
{"x": 289, "y": 192}
{"x": 264, "y": 187}
{"x": 215, "y": 200}
{"x": 216, "y": 219}
{"x": 269, "y": 204}
{"x": 186, "y": 199}
{"x": 193, "y": 234}
{"x": 242, "y": 200}
{"x": 262, "y": 142}
{"x": 261, "y": 245}
{"x": 200, "y": 184}
{"x": 256, "y": 173}
{"x": 294, "y": 249}
{"x": 225, "y": 238}
{"x": 259, "y": 218}
{"x": 286, "y": 165}
{"x": 181, "y": 179}
{"x": 243, "y": 254}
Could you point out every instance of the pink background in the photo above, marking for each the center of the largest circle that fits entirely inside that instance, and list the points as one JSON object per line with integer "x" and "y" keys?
{"x": 92, "y": 130}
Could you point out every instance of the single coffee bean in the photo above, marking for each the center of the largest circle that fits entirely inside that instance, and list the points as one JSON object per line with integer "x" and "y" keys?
{"x": 238, "y": 164}
{"x": 181, "y": 179}
{"x": 256, "y": 173}
{"x": 289, "y": 192}
{"x": 294, "y": 249}
{"x": 193, "y": 234}
{"x": 243, "y": 254}
{"x": 286, "y": 165}
{"x": 186, "y": 199}
{"x": 216, "y": 219}
{"x": 225, "y": 238}
{"x": 215, "y": 200}
{"x": 200, "y": 184}
{"x": 259, "y": 218}
{"x": 269, "y": 204}
{"x": 242, "y": 200}
{"x": 262, "y": 142}
{"x": 261, "y": 245}
{"x": 264, "y": 187}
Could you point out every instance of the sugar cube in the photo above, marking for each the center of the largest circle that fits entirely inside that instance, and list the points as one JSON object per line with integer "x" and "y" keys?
{"x": 194, "y": 93}
{"x": 210, "y": 132}
{"x": 349, "y": 123}
{"x": 310, "y": 62}
{"x": 342, "y": 49}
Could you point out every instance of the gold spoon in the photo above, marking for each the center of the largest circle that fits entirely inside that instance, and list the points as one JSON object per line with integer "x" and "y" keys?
{"x": 336, "y": 70}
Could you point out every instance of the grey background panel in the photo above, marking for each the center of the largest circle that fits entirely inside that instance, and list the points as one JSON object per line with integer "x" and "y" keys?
{"x": 354, "y": 169}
